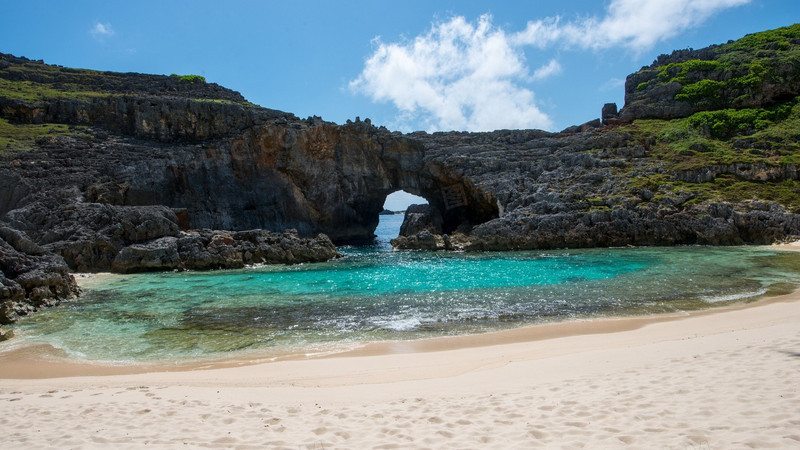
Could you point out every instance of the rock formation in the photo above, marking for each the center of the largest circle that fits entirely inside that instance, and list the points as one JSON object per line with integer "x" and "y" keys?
{"x": 130, "y": 172}
{"x": 208, "y": 249}
{"x": 756, "y": 71}
{"x": 30, "y": 276}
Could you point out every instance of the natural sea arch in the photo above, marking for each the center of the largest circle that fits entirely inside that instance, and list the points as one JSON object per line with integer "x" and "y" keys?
{"x": 315, "y": 178}
{"x": 365, "y": 179}
{"x": 393, "y": 214}
{"x": 400, "y": 200}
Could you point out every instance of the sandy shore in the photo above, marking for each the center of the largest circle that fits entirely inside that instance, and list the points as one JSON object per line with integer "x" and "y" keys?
{"x": 725, "y": 379}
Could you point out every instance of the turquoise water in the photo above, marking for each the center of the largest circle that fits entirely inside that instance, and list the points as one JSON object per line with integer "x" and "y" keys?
{"x": 376, "y": 294}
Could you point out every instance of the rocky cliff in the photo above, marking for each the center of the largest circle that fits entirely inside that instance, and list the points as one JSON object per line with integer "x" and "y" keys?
{"x": 756, "y": 71}
{"x": 705, "y": 151}
{"x": 130, "y": 172}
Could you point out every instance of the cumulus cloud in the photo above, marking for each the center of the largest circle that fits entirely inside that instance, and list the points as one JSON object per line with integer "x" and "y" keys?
{"x": 634, "y": 24}
{"x": 101, "y": 30}
{"x": 460, "y": 75}
{"x": 463, "y": 75}
{"x": 548, "y": 70}
{"x": 613, "y": 84}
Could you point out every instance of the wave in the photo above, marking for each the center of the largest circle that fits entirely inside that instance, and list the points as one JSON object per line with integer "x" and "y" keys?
{"x": 733, "y": 297}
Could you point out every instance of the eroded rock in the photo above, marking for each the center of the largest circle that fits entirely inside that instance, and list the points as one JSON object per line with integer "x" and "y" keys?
{"x": 30, "y": 277}
{"x": 215, "y": 249}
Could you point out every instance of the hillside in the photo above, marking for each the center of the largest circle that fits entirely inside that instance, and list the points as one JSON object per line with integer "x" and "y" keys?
{"x": 724, "y": 120}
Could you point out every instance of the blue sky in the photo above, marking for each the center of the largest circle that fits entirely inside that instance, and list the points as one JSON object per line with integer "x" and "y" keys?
{"x": 411, "y": 65}
{"x": 311, "y": 57}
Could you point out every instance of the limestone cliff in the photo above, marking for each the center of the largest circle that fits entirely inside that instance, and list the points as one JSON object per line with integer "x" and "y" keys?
{"x": 756, "y": 71}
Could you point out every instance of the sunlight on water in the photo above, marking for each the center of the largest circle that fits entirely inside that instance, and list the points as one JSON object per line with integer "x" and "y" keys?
{"x": 376, "y": 294}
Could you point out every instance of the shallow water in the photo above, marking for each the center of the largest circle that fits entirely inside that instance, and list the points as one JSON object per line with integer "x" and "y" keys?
{"x": 376, "y": 294}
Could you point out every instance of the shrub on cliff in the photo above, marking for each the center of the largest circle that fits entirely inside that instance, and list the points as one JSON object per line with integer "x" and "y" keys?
{"x": 725, "y": 123}
{"x": 190, "y": 78}
{"x": 756, "y": 71}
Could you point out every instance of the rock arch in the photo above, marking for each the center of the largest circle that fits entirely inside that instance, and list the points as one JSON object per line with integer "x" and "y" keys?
{"x": 308, "y": 175}
{"x": 335, "y": 179}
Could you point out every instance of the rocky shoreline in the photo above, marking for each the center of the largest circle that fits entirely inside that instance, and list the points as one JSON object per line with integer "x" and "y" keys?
{"x": 129, "y": 172}
{"x": 34, "y": 277}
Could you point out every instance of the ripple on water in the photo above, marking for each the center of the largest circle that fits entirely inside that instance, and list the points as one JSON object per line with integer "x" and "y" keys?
{"x": 373, "y": 294}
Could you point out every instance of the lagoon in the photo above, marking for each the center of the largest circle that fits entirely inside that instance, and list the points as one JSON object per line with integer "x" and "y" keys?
{"x": 376, "y": 294}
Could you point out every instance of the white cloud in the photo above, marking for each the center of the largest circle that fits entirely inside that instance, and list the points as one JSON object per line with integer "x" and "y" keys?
{"x": 612, "y": 84}
{"x": 473, "y": 76}
{"x": 101, "y": 30}
{"x": 634, "y": 24}
{"x": 548, "y": 70}
{"x": 458, "y": 76}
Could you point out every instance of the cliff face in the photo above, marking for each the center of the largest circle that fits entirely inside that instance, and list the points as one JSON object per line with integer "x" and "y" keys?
{"x": 759, "y": 70}
{"x": 216, "y": 163}
{"x": 129, "y": 172}
{"x": 604, "y": 188}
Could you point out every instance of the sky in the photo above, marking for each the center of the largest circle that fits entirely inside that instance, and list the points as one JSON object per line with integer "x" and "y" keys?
{"x": 408, "y": 65}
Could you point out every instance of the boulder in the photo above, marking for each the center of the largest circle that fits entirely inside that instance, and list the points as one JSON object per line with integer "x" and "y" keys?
{"x": 159, "y": 254}
{"x": 218, "y": 249}
{"x": 420, "y": 218}
{"x": 609, "y": 114}
{"x": 29, "y": 281}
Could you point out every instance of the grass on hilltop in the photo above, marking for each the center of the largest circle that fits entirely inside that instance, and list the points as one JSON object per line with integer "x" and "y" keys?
{"x": 16, "y": 138}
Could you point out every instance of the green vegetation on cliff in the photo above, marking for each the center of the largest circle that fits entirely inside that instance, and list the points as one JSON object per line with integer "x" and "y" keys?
{"x": 740, "y": 138}
{"x": 22, "y": 137}
{"x": 33, "y": 92}
{"x": 735, "y": 73}
{"x": 190, "y": 78}
{"x": 749, "y": 135}
{"x": 33, "y": 81}
{"x": 766, "y": 138}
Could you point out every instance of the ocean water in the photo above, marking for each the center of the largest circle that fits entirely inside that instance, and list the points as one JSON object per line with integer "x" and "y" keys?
{"x": 376, "y": 294}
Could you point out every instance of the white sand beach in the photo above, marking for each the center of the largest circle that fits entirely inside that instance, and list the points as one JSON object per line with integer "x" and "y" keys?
{"x": 721, "y": 379}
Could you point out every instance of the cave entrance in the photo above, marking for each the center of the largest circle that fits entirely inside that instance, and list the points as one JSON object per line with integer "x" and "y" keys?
{"x": 391, "y": 218}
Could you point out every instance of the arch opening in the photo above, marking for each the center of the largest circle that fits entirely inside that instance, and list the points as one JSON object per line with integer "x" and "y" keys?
{"x": 399, "y": 201}
{"x": 391, "y": 218}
